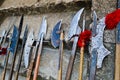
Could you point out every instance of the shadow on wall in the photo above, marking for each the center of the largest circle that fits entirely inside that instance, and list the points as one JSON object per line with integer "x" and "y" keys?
{"x": 1, "y": 1}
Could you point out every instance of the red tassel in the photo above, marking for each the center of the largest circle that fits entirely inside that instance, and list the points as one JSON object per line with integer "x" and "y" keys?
{"x": 112, "y": 19}
{"x": 84, "y": 38}
{"x": 3, "y": 51}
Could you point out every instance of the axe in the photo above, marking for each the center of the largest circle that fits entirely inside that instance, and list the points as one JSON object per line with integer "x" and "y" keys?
{"x": 57, "y": 40}
{"x": 74, "y": 29}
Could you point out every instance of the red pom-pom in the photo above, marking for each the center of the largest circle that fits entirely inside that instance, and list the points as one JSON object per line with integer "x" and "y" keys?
{"x": 3, "y": 51}
{"x": 83, "y": 38}
{"x": 112, "y": 19}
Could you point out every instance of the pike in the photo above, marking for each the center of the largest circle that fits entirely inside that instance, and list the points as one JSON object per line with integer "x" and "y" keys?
{"x": 74, "y": 29}
{"x": 82, "y": 53}
{"x": 58, "y": 35}
{"x": 14, "y": 45}
{"x": 21, "y": 52}
{"x": 41, "y": 35}
{"x": 117, "y": 55}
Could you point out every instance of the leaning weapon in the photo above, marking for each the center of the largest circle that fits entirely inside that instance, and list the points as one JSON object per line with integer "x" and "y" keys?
{"x": 117, "y": 55}
{"x": 21, "y": 53}
{"x": 98, "y": 51}
{"x": 57, "y": 40}
{"x": 82, "y": 53}
{"x": 74, "y": 29}
{"x": 27, "y": 49}
{"x": 2, "y": 45}
{"x": 41, "y": 35}
{"x": 29, "y": 43}
{"x": 14, "y": 45}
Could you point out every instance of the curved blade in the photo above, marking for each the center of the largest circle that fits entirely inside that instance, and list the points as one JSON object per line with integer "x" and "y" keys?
{"x": 74, "y": 23}
{"x": 43, "y": 28}
{"x": 27, "y": 49}
{"x": 55, "y": 37}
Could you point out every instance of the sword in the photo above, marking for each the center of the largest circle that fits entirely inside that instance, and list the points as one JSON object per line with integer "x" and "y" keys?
{"x": 58, "y": 35}
{"x": 21, "y": 51}
{"x": 42, "y": 33}
{"x": 74, "y": 29}
{"x": 14, "y": 45}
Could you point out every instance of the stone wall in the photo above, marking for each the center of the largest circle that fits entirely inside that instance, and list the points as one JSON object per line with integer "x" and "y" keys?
{"x": 54, "y": 10}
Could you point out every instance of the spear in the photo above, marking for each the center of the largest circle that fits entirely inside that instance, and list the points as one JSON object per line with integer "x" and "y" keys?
{"x": 58, "y": 35}
{"x": 42, "y": 33}
{"x": 74, "y": 29}
{"x": 13, "y": 47}
{"x": 21, "y": 51}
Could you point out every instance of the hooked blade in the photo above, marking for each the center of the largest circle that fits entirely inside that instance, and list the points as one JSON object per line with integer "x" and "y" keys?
{"x": 43, "y": 28}
{"x": 14, "y": 39}
{"x": 55, "y": 37}
{"x": 74, "y": 23}
{"x": 27, "y": 49}
{"x": 94, "y": 24}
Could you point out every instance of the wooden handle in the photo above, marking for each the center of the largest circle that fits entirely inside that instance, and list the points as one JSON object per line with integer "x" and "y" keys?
{"x": 36, "y": 67}
{"x": 29, "y": 71}
{"x": 70, "y": 67}
{"x": 81, "y": 63}
{"x": 4, "y": 71}
{"x": 117, "y": 62}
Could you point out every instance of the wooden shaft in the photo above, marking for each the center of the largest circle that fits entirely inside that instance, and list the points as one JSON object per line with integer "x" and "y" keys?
{"x": 117, "y": 62}
{"x": 5, "y": 67}
{"x": 81, "y": 63}
{"x": 71, "y": 62}
{"x": 38, "y": 60}
{"x": 29, "y": 71}
{"x": 60, "y": 56}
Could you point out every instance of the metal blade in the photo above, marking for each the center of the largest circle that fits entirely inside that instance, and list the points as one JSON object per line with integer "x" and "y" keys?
{"x": 55, "y": 37}
{"x": 43, "y": 28}
{"x": 14, "y": 39}
{"x": 74, "y": 23}
{"x": 94, "y": 24}
{"x": 27, "y": 49}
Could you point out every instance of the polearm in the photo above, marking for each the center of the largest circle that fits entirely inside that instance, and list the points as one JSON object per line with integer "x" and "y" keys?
{"x": 93, "y": 63}
{"x": 21, "y": 53}
{"x": 41, "y": 35}
{"x": 57, "y": 40}
{"x": 117, "y": 55}
{"x": 34, "y": 51}
{"x": 82, "y": 53}
{"x": 74, "y": 29}
{"x": 7, "y": 57}
{"x": 15, "y": 31}
{"x": 14, "y": 48}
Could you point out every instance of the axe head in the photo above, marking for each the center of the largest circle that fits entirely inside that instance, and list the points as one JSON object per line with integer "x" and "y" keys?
{"x": 74, "y": 23}
{"x": 55, "y": 37}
